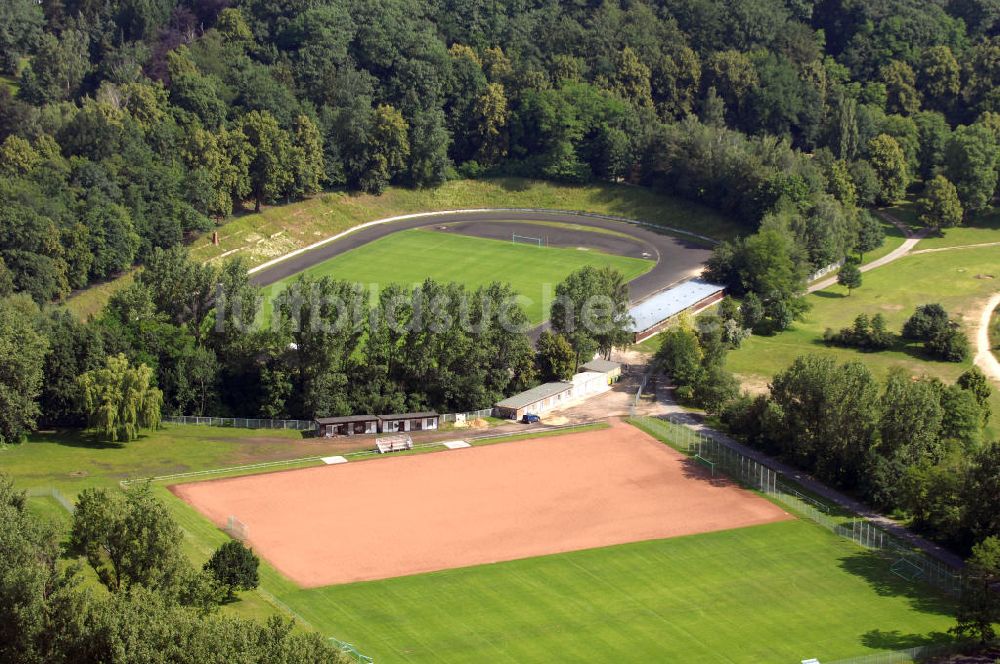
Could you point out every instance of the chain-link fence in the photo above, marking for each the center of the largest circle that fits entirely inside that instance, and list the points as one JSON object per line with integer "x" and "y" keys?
{"x": 906, "y": 561}
{"x": 55, "y": 494}
{"x": 926, "y": 653}
{"x": 242, "y": 422}
{"x": 349, "y": 650}
{"x": 471, "y": 415}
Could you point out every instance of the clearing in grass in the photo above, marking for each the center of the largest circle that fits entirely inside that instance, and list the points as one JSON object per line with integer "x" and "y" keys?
{"x": 411, "y": 256}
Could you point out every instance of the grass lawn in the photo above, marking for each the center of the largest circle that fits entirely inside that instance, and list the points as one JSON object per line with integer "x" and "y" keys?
{"x": 410, "y": 256}
{"x": 983, "y": 227}
{"x": 280, "y": 229}
{"x": 775, "y": 593}
{"x": 772, "y": 593}
{"x": 953, "y": 278}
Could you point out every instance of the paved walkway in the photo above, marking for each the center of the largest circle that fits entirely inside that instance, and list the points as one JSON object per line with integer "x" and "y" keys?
{"x": 695, "y": 421}
{"x": 985, "y": 359}
{"x": 897, "y": 253}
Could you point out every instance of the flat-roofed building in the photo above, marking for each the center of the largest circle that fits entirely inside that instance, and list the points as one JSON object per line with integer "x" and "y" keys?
{"x": 654, "y": 313}
{"x": 426, "y": 420}
{"x": 349, "y": 425}
{"x": 536, "y": 401}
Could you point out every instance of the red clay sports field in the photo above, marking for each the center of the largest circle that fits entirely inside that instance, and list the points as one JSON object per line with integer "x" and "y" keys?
{"x": 397, "y": 516}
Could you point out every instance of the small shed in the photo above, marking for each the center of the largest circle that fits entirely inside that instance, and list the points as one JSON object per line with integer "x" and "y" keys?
{"x": 426, "y": 420}
{"x": 535, "y": 401}
{"x": 349, "y": 425}
{"x": 612, "y": 370}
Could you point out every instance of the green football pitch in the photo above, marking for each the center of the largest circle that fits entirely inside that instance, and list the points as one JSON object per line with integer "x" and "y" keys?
{"x": 411, "y": 256}
{"x": 783, "y": 592}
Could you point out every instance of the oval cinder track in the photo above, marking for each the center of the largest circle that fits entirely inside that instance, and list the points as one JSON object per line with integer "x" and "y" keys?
{"x": 676, "y": 258}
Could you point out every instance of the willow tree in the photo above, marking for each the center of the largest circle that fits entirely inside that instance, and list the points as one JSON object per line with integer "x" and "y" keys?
{"x": 119, "y": 400}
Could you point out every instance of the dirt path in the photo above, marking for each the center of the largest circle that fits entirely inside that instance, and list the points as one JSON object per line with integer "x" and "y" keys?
{"x": 902, "y": 250}
{"x": 960, "y": 246}
{"x": 985, "y": 359}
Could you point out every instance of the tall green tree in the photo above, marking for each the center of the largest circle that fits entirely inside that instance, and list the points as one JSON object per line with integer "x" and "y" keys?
{"x": 270, "y": 168}
{"x": 234, "y": 566}
{"x": 889, "y": 162}
{"x": 849, "y": 276}
{"x": 119, "y": 400}
{"x": 128, "y": 537}
{"x": 979, "y": 608}
{"x": 940, "y": 207}
{"x": 970, "y": 162}
{"x": 555, "y": 357}
{"x": 22, "y": 357}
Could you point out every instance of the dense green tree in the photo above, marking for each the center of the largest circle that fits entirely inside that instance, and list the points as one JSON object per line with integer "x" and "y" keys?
{"x": 680, "y": 354}
{"x": 849, "y": 276}
{"x": 976, "y": 382}
{"x": 939, "y": 77}
{"x": 830, "y": 416}
{"x": 234, "y": 566}
{"x": 119, "y": 400}
{"x": 926, "y": 321}
{"x": 970, "y": 163}
{"x": 74, "y": 349}
{"x": 324, "y": 320}
{"x": 22, "y": 356}
{"x": 307, "y": 148}
{"x": 939, "y": 206}
{"x": 128, "y": 537}
{"x": 591, "y": 311}
{"x": 20, "y": 30}
{"x": 270, "y": 168}
{"x": 871, "y": 234}
{"x": 900, "y": 83}
{"x": 555, "y": 357}
{"x": 933, "y": 134}
{"x": 889, "y": 162}
{"x": 979, "y": 608}
{"x": 57, "y": 68}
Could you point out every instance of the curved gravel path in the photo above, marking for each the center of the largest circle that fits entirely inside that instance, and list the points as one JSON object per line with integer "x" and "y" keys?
{"x": 985, "y": 359}
{"x": 897, "y": 253}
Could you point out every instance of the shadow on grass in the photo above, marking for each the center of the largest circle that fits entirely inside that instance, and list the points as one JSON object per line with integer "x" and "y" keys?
{"x": 875, "y": 569}
{"x": 76, "y": 438}
{"x": 896, "y": 640}
{"x": 829, "y": 295}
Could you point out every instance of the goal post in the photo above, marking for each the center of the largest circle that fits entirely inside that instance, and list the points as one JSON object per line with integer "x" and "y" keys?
{"x": 237, "y": 529}
{"x": 527, "y": 239}
{"x": 705, "y": 462}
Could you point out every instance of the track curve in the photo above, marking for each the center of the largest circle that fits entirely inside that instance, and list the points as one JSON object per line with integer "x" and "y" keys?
{"x": 676, "y": 258}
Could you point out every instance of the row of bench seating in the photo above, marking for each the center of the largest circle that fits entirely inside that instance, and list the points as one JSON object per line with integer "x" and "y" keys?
{"x": 393, "y": 444}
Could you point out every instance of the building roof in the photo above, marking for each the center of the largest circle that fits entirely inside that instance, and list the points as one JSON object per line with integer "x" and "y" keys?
{"x": 601, "y": 365}
{"x": 534, "y": 395}
{"x": 408, "y": 416}
{"x": 346, "y": 419}
{"x": 671, "y": 302}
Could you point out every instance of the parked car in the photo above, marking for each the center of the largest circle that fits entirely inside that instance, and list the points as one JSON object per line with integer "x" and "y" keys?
{"x": 530, "y": 418}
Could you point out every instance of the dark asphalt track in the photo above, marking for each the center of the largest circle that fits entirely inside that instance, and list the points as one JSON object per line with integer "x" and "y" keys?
{"x": 675, "y": 258}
